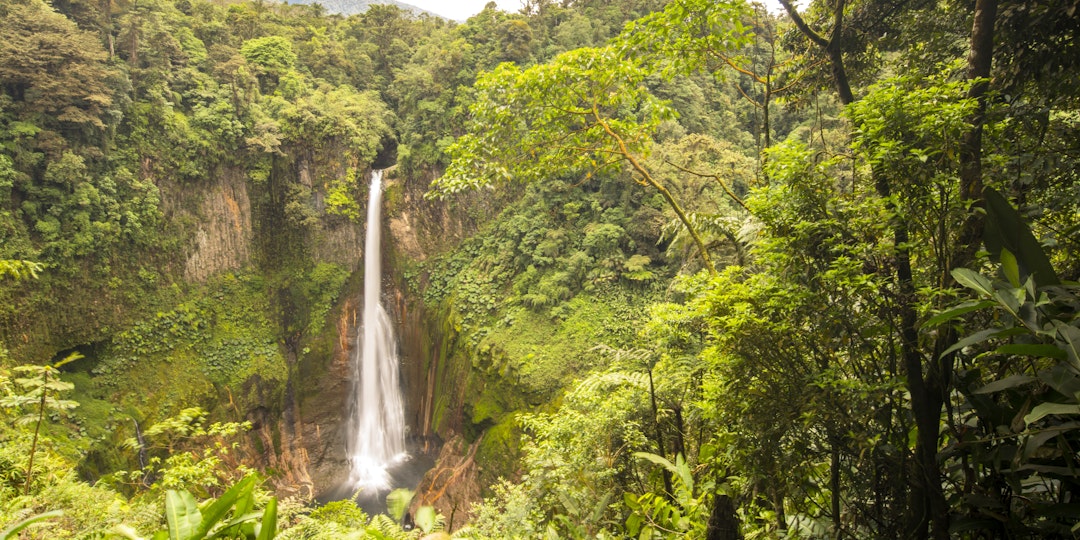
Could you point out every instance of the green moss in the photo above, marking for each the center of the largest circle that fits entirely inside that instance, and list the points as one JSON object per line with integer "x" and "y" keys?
{"x": 486, "y": 408}
{"x": 500, "y": 451}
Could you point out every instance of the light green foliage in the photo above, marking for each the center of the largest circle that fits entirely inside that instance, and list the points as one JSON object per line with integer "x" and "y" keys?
{"x": 587, "y": 111}
{"x": 341, "y": 196}
{"x": 202, "y": 471}
{"x": 343, "y": 520}
{"x": 685, "y": 514}
{"x": 271, "y": 53}
{"x": 909, "y": 124}
{"x": 686, "y": 35}
{"x": 397, "y": 502}
{"x": 578, "y": 457}
{"x": 229, "y": 516}
{"x": 59, "y": 67}
{"x": 325, "y": 284}
{"x": 56, "y": 487}
{"x": 328, "y": 115}
{"x": 509, "y": 513}
{"x": 20, "y": 269}
{"x": 36, "y": 387}
{"x": 344, "y": 513}
{"x": 792, "y": 375}
{"x": 76, "y": 212}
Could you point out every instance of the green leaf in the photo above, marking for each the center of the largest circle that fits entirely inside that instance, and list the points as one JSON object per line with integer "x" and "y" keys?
{"x": 682, "y": 469}
{"x": 1010, "y": 268}
{"x": 425, "y": 518}
{"x": 268, "y": 528}
{"x": 1005, "y": 384}
{"x": 1062, "y": 378}
{"x": 397, "y": 501}
{"x": 966, "y": 307}
{"x": 1006, "y": 231}
{"x": 245, "y": 503}
{"x": 981, "y": 336}
{"x": 230, "y": 528}
{"x": 182, "y": 514}
{"x": 1070, "y": 335}
{"x": 12, "y": 531}
{"x": 68, "y": 359}
{"x": 1044, "y": 409}
{"x": 973, "y": 280}
{"x": 216, "y": 511}
{"x": 1038, "y": 439}
{"x": 1032, "y": 349}
{"x": 659, "y": 460}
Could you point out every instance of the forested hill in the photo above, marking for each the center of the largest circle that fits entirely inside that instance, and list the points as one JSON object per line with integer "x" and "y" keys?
{"x": 354, "y": 7}
{"x": 660, "y": 269}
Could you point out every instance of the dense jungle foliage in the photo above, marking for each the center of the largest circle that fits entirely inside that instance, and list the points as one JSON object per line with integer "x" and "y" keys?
{"x": 729, "y": 273}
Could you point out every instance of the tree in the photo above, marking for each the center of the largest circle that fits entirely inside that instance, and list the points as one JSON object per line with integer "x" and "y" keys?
{"x": 54, "y": 72}
{"x": 586, "y": 112}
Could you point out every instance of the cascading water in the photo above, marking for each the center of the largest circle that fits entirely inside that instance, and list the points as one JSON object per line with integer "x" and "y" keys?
{"x": 376, "y": 430}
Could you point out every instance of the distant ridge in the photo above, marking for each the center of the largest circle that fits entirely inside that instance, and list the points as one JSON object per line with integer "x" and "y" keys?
{"x": 352, "y": 7}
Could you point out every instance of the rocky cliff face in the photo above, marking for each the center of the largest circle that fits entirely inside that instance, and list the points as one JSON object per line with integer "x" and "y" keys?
{"x": 223, "y": 233}
{"x": 299, "y": 424}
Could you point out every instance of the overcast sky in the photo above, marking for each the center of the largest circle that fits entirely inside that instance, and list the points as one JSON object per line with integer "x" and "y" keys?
{"x": 459, "y": 10}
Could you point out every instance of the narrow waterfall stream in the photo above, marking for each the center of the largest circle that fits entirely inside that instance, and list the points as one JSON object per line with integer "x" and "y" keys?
{"x": 375, "y": 438}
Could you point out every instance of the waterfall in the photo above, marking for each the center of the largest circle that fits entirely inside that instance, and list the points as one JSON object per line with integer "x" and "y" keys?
{"x": 376, "y": 430}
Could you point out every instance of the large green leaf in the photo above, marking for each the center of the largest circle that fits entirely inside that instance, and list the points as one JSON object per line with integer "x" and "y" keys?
{"x": 213, "y": 514}
{"x": 182, "y": 514}
{"x": 425, "y": 518}
{"x": 957, "y": 311}
{"x": 973, "y": 280}
{"x": 659, "y": 460}
{"x": 1007, "y": 231}
{"x": 1006, "y": 383}
{"x": 1064, "y": 379}
{"x": 232, "y": 527}
{"x": 268, "y": 527}
{"x": 1070, "y": 336}
{"x": 1036, "y": 350}
{"x": 1044, "y": 409}
{"x": 1040, "y": 438}
{"x": 397, "y": 501}
{"x": 983, "y": 335}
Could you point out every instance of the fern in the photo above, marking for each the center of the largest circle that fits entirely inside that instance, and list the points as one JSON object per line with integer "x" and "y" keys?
{"x": 385, "y": 528}
{"x": 599, "y": 382}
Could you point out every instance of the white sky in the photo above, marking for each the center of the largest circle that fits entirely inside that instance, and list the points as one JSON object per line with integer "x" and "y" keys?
{"x": 459, "y": 10}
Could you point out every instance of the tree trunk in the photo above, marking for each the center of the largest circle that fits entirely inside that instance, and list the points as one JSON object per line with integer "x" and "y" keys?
{"x": 723, "y": 523}
{"x": 834, "y": 485}
{"x": 659, "y": 435}
{"x": 37, "y": 429}
{"x": 980, "y": 58}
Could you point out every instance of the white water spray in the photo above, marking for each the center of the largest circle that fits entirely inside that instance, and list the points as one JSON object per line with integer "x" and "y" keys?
{"x": 376, "y": 435}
